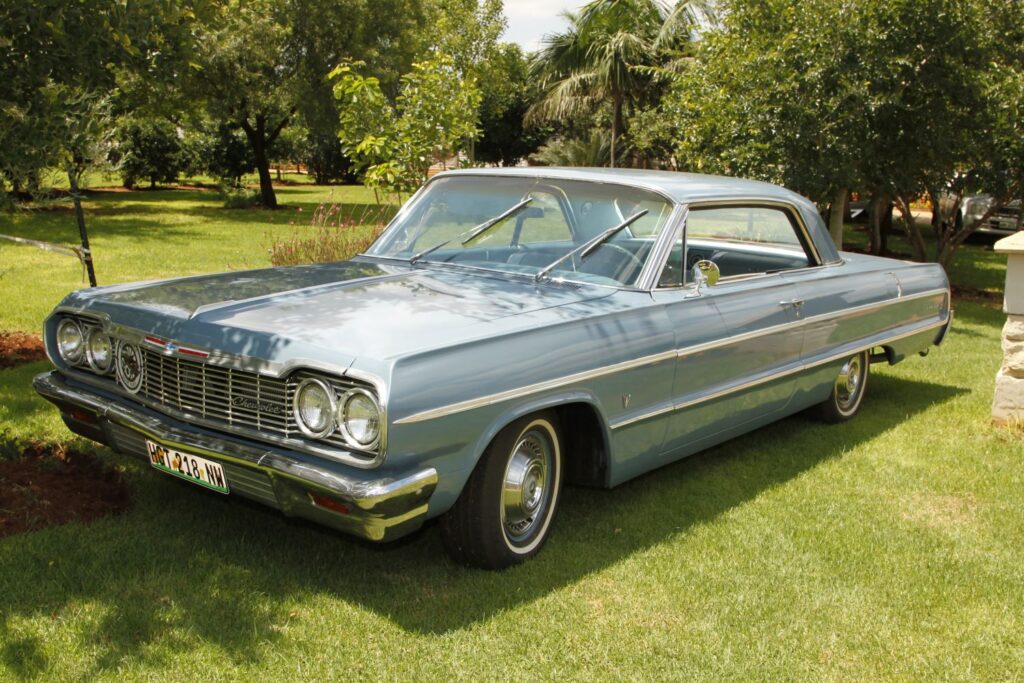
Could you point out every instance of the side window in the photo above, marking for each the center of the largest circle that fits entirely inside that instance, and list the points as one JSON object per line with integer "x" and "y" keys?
{"x": 744, "y": 240}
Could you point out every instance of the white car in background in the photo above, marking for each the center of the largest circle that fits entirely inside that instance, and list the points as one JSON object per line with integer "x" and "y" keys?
{"x": 1005, "y": 221}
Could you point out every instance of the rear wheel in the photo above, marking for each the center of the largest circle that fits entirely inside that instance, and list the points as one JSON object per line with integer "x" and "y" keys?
{"x": 504, "y": 513}
{"x": 847, "y": 391}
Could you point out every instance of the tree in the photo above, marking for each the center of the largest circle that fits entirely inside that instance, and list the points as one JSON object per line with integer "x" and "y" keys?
{"x": 605, "y": 58}
{"x": 885, "y": 96}
{"x": 325, "y": 33}
{"x": 240, "y": 77}
{"x": 56, "y": 56}
{"x": 434, "y": 113}
{"x": 506, "y": 95}
{"x": 147, "y": 149}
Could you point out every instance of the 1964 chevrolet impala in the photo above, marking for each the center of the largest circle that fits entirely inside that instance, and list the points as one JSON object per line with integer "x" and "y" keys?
{"x": 512, "y": 330}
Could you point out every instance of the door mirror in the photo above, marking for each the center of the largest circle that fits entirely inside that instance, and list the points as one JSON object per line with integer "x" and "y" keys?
{"x": 706, "y": 273}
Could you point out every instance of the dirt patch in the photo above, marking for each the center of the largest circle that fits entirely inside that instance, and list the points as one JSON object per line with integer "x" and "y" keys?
{"x": 941, "y": 511}
{"x": 17, "y": 348}
{"x": 198, "y": 188}
{"x": 51, "y": 485}
{"x": 977, "y": 295}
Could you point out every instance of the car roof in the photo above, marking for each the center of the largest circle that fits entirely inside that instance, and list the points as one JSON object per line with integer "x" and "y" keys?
{"x": 679, "y": 187}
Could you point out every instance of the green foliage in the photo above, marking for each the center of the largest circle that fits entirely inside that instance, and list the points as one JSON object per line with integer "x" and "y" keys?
{"x": 224, "y": 153}
{"x": 148, "y": 149}
{"x": 236, "y": 197}
{"x": 326, "y": 158}
{"x": 62, "y": 62}
{"x": 592, "y": 151}
{"x": 608, "y": 55}
{"x": 434, "y": 113}
{"x": 507, "y": 91}
{"x": 893, "y": 98}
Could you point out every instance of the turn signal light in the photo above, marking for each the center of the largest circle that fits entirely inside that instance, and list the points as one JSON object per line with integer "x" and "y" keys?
{"x": 329, "y": 503}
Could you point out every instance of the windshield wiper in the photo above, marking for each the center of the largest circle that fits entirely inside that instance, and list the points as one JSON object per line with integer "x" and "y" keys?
{"x": 475, "y": 231}
{"x": 587, "y": 248}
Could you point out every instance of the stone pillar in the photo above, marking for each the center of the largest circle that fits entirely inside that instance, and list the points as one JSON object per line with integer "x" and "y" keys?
{"x": 1008, "y": 405}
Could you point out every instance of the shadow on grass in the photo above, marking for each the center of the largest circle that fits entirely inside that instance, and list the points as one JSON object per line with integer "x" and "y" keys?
{"x": 188, "y": 564}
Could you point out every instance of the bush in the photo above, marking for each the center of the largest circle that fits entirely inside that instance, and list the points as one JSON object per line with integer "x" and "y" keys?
{"x": 334, "y": 238}
{"x": 148, "y": 149}
{"x": 239, "y": 197}
{"x": 326, "y": 160}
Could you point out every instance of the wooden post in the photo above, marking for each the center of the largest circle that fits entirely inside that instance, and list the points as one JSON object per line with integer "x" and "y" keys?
{"x": 80, "y": 215}
{"x": 1008, "y": 404}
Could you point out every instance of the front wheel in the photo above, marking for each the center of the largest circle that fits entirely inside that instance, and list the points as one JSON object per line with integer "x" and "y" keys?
{"x": 504, "y": 513}
{"x": 847, "y": 391}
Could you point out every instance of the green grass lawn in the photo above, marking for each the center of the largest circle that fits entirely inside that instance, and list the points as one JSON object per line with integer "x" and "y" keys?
{"x": 890, "y": 547}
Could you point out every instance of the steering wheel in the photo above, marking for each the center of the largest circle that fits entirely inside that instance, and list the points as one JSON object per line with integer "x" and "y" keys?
{"x": 611, "y": 261}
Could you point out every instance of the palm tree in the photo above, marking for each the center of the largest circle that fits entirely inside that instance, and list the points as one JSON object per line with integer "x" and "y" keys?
{"x": 605, "y": 57}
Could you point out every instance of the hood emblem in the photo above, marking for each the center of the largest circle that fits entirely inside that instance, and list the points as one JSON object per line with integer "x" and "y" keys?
{"x": 171, "y": 348}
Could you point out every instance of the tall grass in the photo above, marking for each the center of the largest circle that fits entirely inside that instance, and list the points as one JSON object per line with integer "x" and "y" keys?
{"x": 335, "y": 236}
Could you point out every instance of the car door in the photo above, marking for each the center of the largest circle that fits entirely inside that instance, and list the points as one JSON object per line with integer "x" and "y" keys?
{"x": 739, "y": 341}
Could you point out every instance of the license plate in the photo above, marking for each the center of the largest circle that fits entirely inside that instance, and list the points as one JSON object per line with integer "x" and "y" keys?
{"x": 188, "y": 467}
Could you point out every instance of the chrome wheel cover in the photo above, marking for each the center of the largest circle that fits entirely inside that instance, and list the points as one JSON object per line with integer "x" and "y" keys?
{"x": 528, "y": 484}
{"x": 850, "y": 384}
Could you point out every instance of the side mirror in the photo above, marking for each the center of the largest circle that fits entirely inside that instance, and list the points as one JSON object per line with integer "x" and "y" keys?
{"x": 706, "y": 274}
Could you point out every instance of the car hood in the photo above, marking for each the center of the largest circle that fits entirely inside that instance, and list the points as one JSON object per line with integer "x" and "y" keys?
{"x": 330, "y": 313}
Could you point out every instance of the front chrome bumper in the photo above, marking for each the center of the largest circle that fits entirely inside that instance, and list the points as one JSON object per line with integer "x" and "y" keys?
{"x": 378, "y": 509}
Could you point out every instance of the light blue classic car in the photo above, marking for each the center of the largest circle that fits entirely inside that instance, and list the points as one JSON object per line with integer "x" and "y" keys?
{"x": 511, "y": 331}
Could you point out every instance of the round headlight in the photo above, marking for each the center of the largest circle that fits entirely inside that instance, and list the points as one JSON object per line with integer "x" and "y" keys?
{"x": 128, "y": 366}
{"x": 70, "y": 341}
{"x": 314, "y": 407}
{"x": 99, "y": 350}
{"x": 359, "y": 418}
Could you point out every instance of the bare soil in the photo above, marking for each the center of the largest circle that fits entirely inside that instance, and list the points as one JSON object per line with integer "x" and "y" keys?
{"x": 977, "y": 295}
{"x": 17, "y": 348}
{"x": 51, "y": 485}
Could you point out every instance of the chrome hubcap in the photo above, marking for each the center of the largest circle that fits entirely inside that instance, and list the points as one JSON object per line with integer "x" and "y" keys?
{"x": 525, "y": 490}
{"x": 848, "y": 383}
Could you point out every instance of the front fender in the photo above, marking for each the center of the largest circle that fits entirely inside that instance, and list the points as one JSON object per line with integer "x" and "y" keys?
{"x": 537, "y": 403}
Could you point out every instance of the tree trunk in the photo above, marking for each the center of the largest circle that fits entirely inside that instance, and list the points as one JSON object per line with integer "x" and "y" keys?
{"x": 80, "y": 215}
{"x": 913, "y": 231}
{"x": 875, "y": 232}
{"x": 616, "y": 124}
{"x": 937, "y": 217}
{"x": 260, "y": 142}
{"x": 836, "y": 213}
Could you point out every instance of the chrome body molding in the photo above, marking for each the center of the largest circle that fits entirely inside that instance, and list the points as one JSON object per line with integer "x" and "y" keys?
{"x": 566, "y": 380}
{"x": 803, "y": 322}
{"x": 379, "y": 509}
{"x": 796, "y": 368}
{"x": 521, "y": 392}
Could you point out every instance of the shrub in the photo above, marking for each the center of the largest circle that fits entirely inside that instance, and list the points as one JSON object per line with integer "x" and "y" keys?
{"x": 147, "y": 149}
{"x": 238, "y": 197}
{"x": 334, "y": 237}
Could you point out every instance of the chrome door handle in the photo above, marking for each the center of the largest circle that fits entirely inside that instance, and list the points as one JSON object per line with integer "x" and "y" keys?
{"x": 795, "y": 303}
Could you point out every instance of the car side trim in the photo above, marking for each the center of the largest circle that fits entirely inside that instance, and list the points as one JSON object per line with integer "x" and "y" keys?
{"x": 753, "y": 334}
{"x": 771, "y": 377}
{"x": 490, "y": 399}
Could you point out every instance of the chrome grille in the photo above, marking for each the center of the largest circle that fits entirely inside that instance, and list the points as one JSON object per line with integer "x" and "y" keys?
{"x": 234, "y": 397}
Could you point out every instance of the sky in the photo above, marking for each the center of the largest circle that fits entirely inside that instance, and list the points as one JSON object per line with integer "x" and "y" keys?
{"x": 531, "y": 20}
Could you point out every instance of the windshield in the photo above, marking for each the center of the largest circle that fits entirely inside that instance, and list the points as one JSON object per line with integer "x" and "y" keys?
{"x": 524, "y": 225}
